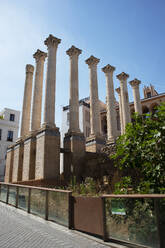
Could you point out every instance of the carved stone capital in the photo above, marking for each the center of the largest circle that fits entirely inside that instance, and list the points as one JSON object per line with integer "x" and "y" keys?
{"x": 134, "y": 83}
{"x": 73, "y": 51}
{"x": 29, "y": 68}
{"x": 108, "y": 68}
{"x": 39, "y": 55}
{"x": 122, "y": 76}
{"x": 92, "y": 61}
{"x": 118, "y": 90}
{"x": 52, "y": 41}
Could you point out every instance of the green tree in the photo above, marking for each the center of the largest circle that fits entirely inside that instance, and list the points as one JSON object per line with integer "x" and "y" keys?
{"x": 140, "y": 154}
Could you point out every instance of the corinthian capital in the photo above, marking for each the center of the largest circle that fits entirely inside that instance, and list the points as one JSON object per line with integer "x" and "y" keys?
{"x": 118, "y": 90}
{"x": 52, "y": 41}
{"x": 92, "y": 61}
{"x": 29, "y": 68}
{"x": 122, "y": 76}
{"x": 73, "y": 51}
{"x": 39, "y": 55}
{"x": 108, "y": 68}
{"x": 135, "y": 83}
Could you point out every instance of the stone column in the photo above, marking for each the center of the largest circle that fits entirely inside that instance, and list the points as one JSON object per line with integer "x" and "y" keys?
{"x": 95, "y": 142}
{"x": 37, "y": 96}
{"x": 74, "y": 53}
{"x": 26, "y": 110}
{"x": 94, "y": 100}
{"x": 50, "y": 88}
{"x": 47, "y": 162}
{"x": 74, "y": 140}
{"x": 120, "y": 110}
{"x": 136, "y": 94}
{"x": 110, "y": 104}
{"x": 124, "y": 98}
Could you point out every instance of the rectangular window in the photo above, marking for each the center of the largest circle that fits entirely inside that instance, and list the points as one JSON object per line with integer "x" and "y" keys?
{"x": 148, "y": 94}
{"x": 10, "y": 136}
{"x": 12, "y": 117}
{"x": 0, "y": 134}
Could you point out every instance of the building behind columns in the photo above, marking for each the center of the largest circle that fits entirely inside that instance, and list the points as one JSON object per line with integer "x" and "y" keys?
{"x": 149, "y": 101}
{"x": 9, "y": 125}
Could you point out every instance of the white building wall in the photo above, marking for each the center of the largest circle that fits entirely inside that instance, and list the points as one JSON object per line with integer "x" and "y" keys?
{"x": 5, "y": 126}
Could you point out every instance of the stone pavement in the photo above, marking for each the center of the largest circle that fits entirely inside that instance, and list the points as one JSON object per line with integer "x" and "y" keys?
{"x": 21, "y": 230}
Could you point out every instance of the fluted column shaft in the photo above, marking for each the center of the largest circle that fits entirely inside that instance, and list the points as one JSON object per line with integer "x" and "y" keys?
{"x": 94, "y": 100}
{"x": 124, "y": 99}
{"x": 136, "y": 94}
{"x": 26, "y": 109}
{"x": 111, "y": 109}
{"x": 38, "y": 85}
{"x": 120, "y": 110}
{"x": 73, "y": 53}
{"x": 50, "y": 88}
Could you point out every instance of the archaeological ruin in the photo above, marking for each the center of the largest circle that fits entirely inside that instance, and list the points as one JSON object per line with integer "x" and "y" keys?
{"x": 35, "y": 157}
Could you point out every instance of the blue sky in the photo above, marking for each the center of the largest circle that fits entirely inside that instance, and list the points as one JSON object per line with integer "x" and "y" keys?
{"x": 128, "y": 34}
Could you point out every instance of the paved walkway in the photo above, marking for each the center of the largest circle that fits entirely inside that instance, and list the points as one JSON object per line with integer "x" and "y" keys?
{"x": 21, "y": 230}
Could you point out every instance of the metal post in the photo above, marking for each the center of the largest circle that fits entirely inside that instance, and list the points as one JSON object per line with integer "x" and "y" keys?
{"x": 29, "y": 200}
{"x": 46, "y": 204}
{"x": 7, "y": 197}
{"x": 105, "y": 238}
{"x": 70, "y": 211}
{"x": 17, "y": 192}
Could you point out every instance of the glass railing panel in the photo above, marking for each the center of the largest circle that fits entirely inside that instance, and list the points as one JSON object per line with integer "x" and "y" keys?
{"x": 37, "y": 202}
{"x": 133, "y": 220}
{"x": 3, "y": 193}
{"x": 58, "y": 207}
{"x": 12, "y": 195}
{"x": 23, "y": 196}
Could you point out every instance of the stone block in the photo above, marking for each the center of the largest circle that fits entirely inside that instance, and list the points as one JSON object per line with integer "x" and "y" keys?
{"x": 94, "y": 144}
{"x": 9, "y": 165}
{"x": 48, "y": 154}
{"x": 18, "y": 161}
{"x": 75, "y": 143}
{"x": 29, "y": 158}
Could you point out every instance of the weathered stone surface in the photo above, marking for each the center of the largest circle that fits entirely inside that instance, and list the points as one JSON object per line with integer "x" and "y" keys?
{"x": 9, "y": 165}
{"x": 29, "y": 158}
{"x": 94, "y": 100}
{"x": 136, "y": 94}
{"x": 111, "y": 108}
{"x": 74, "y": 53}
{"x": 38, "y": 85}
{"x": 124, "y": 98}
{"x": 73, "y": 160}
{"x": 49, "y": 110}
{"x": 94, "y": 143}
{"x": 120, "y": 110}
{"x": 47, "y": 154}
{"x": 18, "y": 162}
{"x": 26, "y": 109}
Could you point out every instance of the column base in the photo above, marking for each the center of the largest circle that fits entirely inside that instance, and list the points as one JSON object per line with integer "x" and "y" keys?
{"x": 47, "y": 154}
{"x": 9, "y": 164}
{"x": 75, "y": 143}
{"x": 18, "y": 161}
{"x": 94, "y": 143}
{"x": 29, "y": 157}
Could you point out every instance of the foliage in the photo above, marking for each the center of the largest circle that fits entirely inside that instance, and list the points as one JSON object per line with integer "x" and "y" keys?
{"x": 1, "y": 117}
{"x": 140, "y": 154}
{"x": 88, "y": 187}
